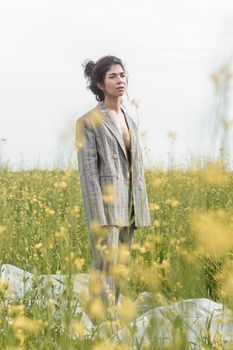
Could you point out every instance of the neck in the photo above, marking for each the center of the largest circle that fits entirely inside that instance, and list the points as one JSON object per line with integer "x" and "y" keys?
{"x": 113, "y": 104}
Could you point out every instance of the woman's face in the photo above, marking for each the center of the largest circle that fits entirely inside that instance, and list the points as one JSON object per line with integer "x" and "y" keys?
{"x": 115, "y": 81}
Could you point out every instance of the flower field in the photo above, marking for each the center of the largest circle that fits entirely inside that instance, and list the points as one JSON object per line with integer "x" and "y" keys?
{"x": 186, "y": 253}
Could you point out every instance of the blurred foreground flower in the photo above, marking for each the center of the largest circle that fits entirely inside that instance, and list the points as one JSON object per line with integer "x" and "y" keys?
{"x": 2, "y": 228}
{"x": 172, "y": 135}
{"x": 127, "y": 311}
{"x": 123, "y": 253}
{"x": 119, "y": 271}
{"x": 146, "y": 274}
{"x": 109, "y": 193}
{"x": 78, "y": 329}
{"x": 24, "y": 327}
{"x": 95, "y": 282}
{"x": 213, "y": 231}
{"x": 94, "y": 118}
{"x": 16, "y": 310}
{"x": 157, "y": 182}
{"x": 214, "y": 174}
{"x": 99, "y": 230}
{"x": 96, "y": 309}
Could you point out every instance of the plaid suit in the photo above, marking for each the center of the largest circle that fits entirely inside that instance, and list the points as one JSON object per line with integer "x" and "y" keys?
{"x": 112, "y": 198}
{"x": 104, "y": 170}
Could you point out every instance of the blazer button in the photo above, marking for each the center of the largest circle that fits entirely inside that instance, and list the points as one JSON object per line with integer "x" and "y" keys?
{"x": 114, "y": 155}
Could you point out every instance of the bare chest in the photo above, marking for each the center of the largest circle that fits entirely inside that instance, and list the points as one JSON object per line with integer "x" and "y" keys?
{"x": 121, "y": 124}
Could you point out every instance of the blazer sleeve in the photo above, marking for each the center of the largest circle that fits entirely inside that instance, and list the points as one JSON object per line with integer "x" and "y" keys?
{"x": 89, "y": 174}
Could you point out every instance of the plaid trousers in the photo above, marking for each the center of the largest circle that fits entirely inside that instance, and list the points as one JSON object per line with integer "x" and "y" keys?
{"x": 115, "y": 237}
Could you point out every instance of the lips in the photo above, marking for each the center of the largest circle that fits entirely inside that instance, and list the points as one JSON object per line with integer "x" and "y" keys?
{"x": 120, "y": 88}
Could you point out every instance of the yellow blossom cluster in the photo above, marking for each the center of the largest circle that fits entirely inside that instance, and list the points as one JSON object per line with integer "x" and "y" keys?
{"x": 109, "y": 193}
{"x": 215, "y": 174}
{"x": 2, "y": 228}
{"x": 173, "y": 202}
{"x": 213, "y": 231}
{"x": 61, "y": 184}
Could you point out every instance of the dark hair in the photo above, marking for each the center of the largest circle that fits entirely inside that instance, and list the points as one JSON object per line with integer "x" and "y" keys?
{"x": 96, "y": 72}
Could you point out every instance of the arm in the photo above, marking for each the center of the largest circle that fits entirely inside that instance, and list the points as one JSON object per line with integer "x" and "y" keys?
{"x": 89, "y": 175}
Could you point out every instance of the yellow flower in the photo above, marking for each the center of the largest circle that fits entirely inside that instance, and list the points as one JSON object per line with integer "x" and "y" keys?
{"x": 20, "y": 335}
{"x": 63, "y": 184}
{"x": 99, "y": 230}
{"x": 95, "y": 117}
{"x": 60, "y": 233}
{"x": 78, "y": 263}
{"x": 172, "y": 202}
{"x": 17, "y": 309}
{"x": 154, "y": 206}
{"x": 77, "y": 328}
{"x": 213, "y": 234}
{"x": 97, "y": 309}
{"x": 49, "y": 212}
{"x": 109, "y": 193}
{"x": 149, "y": 275}
{"x": 142, "y": 249}
{"x": 75, "y": 210}
{"x": 27, "y": 325}
{"x": 68, "y": 173}
{"x": 109, "y": 252}
{"x": 171, "y": 135}
{"x": 214, "y": 174}
{"x": 123, "y": 253}
{"x": 127, "y": 311}
{"x": 38, "y": 245}
{"x": 148, "y": 245}
{"x": 156, "y": 223}
{"x": 119, "y": 271}
{"x": 135, "y": 246}
{"x": 151, "y": 240}
{"x": 2, "y": 228}
{"x": 95, "y": 282}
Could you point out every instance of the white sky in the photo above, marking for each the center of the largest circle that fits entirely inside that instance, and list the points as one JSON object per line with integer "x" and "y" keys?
{"x": 170, "y": 49}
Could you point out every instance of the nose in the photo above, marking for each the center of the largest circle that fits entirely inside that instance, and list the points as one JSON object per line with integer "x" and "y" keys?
{"x": 120, "y": 80}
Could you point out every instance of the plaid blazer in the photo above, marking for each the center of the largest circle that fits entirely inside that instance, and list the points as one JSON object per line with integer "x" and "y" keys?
{"x": 104, "y": 170}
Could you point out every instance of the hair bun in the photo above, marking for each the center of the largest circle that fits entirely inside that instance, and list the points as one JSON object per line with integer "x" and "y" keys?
{"x": 88, "y": 68}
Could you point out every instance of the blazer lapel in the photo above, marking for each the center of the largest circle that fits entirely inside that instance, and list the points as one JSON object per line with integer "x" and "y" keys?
{"x": 108, "y": 121}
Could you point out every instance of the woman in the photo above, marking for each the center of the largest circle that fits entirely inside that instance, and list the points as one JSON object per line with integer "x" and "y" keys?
{"x": 111, "y": 174}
